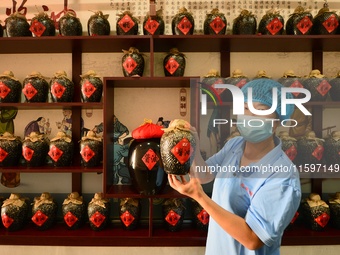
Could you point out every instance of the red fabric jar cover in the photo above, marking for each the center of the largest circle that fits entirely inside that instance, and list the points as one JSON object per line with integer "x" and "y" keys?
{"x": 147, "y": 130}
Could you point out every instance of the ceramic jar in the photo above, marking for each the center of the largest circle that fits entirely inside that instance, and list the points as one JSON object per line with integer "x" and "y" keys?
{"x": 315, "y": 212}
{"x": 318, "y": 85}
{"x": 208, "y": 86}
{"x": 61, "y": 87}
{"x": 74, "y": 211}
{"x": 35, "y": 88}
{"x": 173, "y": 214}
{"x": 291, "y": 80}
{"x": 14, "y": 212}
{"x": 178, "y": 147}
{"x": 91, "y": 150}
{"x": 98, "y": 211}
{"x": 10, "y": 148}
{"x": 44, "y": 211}
{"x": 334, "y": 207}
{"x": 200, "y": 216}
{"x": 10, "y": 88}
{"x": 34, "y": 150}
{"x": 61, "y": 150}
{"x": 289, "y": 145}
{"x": 91, "y": 87}
{"x": 129, "y": 213}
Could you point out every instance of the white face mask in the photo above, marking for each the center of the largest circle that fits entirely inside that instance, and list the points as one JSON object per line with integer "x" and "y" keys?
{"x": 254, "y": 129}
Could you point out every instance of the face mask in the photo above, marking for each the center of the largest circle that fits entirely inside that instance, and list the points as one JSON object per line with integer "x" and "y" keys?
{"x": 254, "y": 131}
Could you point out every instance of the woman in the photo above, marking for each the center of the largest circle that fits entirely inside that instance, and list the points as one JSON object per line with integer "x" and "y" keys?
{"x": 251, "y": 205}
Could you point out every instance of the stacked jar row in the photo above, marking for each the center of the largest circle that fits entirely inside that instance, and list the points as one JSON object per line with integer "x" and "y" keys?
{"x": 301, "y": 22}
{"x": 36, "y": 88}
{"x": 16, "y": 212}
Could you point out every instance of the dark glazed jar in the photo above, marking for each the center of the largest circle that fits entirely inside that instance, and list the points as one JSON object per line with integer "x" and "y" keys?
{"x": 318, "y": 85}
{"x": 70, "y": 25}
{"x": 35, "y": 88}
{"x": 290, "y": 80}
{"x": 300, "y": 22}
{"x": 10, "y": 148}
{"x": 132, "y": 62}
{"x": 174, "y": 63}
{"x": 289, "y": 145}
{"x": 74, "y": 211}
{"x": 91, "y": 87}
{"x": 183, "y": 23}
{"x": 98, "y": 211}
{"x": 34, "y": 150}
{"x": 145, "y": 166}
{"x": 130, "y": 212}
{"x": 215, "y": 23}
{"x": 315, "y": 212}
{"x": 44, "y": 211}
{"x": 17, "y": 25}
{"x": 14, "y": 212}
{"x": 42, "y": 25}
{"x": 61, "y": 87}
{"x": 61, "y": 150}
{"x": 127, "y": 24}
{"x": 154, "y": 25}
{"x": 173, "y": 214}
{"x": 178, "y": 147}
{"x": 91, "y": 150}
{"x": 98, "y": 24}
{"x": 200, "y": 216}
{"x": 10, "y": 88}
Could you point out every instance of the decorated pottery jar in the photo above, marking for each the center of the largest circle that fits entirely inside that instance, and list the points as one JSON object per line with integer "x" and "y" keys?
{"x": 70, "y": 24}
{"x": 17, "y": 25}
{"x": 98, "y": 24}
{"x": 61, "y": 150}
{"x": 14, "y": 212}
{"x": 334, "y": 92}
{"x": 42, "y": 25}
{"x": 300, "y": 22}
{"x": 325, "y": 22}
{"x": 35, "y": 88}
{"x": 174, "y": 63}
{"x": 208, "y": 87}
{"x": 91, "y": 150}
{"x": 310, "y": 150}
{"x": 98, "y": 212}
{"x": 10, "y": 88}
{"x": 44, "y": 211}
{"x": 245, "y": 23}
{"x": 215, "y": 23}
{"x": 34, "y": 150}
{"x": 200, "y": 216}
{"x": 173, "y": 214}
{"x": 154, "y": 25}
{"x": 334, "y": 207}
{"x": 183, "y": 23}
{"x": 127, "y": 24}
{"x": 318, "y": 85}
{"x": 91, "y": 87}
{"x": 133, "y": 62}
{"x": 289, "y": 145}
{"x": 290, "y": 80}
{"x": 272, "y": 23}
{"x": 178, "y": 147}
{"x": 144, "y": 159}
{"x": 61, "y": 87}
{"x": 315, "y": 212}
{"x": 129, "y": 213}
{"x": 332, "y": 149}
{"x": 10, "y": 148}
{"x": 74, "y": 211}
{"x": 238, "y": 79}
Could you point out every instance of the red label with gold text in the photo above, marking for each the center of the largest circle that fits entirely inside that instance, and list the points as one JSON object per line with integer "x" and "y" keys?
{"x": 172, "y": 218}
{"x": 318, "y": 152}
{"x": 203, "y": 217}
{"x": 304, "y": 25}
{"x": 6, "y": 220}
{"x": 150, "y": 159}
{"x": 87, "y": 153}
{"x": 172, "y": 65}
{"x": 29, "y": 91}
{"x": 88, "y": 89}
{"x": 126, "y": 23}
{"x": 4, "y": 90}
{"x": 3, "y": 154}
{"x": 274, "y": 26}
{"x": 217, "y": 25}
{"x": 323, "y": 87}
{"x": 55, "y": 153}
{"x": 127, "y": 218}
{"x": 322, "y": 220}
{"x": 37, "y": 28}
{"x": 39, "y": 218}
{"x": 331, "y": 23}
{"x": 70, "y": 219}
{"x": 57, "y": 90}
{"x": 182, "y": 150}
{"x": 97, "y": 219}
{"x": 27, "y": 153}
{"x": 129, "y": 64}
{"x": 151, "y": 25}
{"x": 184, "y": 25}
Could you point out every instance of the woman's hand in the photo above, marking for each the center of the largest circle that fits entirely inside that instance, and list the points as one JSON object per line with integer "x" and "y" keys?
{"x": 191, "y": 188}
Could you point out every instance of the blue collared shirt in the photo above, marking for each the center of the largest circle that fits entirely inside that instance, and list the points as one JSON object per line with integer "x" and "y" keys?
{"x": 266, "y": 194}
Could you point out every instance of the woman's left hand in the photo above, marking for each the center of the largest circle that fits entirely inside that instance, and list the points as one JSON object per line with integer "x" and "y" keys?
{"x": 191, "y": 188}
